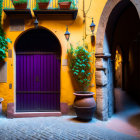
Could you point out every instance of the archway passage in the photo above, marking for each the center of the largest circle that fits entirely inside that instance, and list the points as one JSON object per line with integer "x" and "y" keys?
{"x": 122, "y": 37}
{"x": 105, "y": 50}
{"x": 38, "y": 60}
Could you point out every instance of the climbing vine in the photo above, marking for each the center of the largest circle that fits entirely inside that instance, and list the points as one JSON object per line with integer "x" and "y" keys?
{"x": 3, "y": 40}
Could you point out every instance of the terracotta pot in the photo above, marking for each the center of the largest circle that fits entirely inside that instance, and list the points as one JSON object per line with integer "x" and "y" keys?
{"x": 84, "y": 105}
{"x": 64, "y": 5}
{"x": 43, "y": 5}
{"x": 20, "y": 6}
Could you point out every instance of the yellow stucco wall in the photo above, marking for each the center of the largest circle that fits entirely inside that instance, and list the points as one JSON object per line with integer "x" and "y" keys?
{"x": 58, "y": 28}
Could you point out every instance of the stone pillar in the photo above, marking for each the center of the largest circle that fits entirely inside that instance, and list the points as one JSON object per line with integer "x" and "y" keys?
{"x": 101, "y": 85}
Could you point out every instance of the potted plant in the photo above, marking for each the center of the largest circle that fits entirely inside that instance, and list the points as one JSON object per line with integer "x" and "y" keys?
{"x": 20, "y": 4}
{"x": 80, "y": 65}
{"x": 43, "y": 4}
{"x": 64, "y": 4}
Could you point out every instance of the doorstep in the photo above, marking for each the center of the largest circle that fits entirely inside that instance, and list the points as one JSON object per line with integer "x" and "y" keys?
{"x": 11, "y": 114}
{"x": 36, "y": 114}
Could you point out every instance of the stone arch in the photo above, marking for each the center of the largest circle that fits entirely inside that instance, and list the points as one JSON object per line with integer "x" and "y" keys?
{"x": 104, "y": 100}
{"x": 110, "y": 5}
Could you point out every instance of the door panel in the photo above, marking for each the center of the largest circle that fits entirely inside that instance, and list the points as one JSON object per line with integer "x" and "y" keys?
{"x": 37, "y": 82}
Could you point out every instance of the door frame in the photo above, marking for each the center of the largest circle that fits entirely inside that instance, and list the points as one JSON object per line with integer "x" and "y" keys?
{"x": 14, "y": 63}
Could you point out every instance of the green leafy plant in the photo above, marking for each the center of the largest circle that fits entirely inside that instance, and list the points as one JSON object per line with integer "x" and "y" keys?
{"x": 65, "y": 0}
{"x": 43, "y": 1}
{"x": 3, "y": 41}
{"x": 80, "y": 65}
{"x": 19, "y": 1}
{"x": 3, "y": 46}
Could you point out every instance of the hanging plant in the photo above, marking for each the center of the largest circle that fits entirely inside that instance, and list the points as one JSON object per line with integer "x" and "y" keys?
{"x": 3, "y": 41}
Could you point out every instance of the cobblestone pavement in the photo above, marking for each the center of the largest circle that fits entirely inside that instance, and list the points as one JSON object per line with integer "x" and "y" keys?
{"x": 60, "y": 128}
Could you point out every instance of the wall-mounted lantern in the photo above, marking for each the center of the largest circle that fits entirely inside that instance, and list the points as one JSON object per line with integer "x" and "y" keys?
{"x": 36, "y": 23}
{"x": 67, "y": 34}
{"x": 92, "y": 26}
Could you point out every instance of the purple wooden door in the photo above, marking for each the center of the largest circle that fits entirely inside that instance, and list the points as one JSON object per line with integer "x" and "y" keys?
{"x": 37, "y": 82}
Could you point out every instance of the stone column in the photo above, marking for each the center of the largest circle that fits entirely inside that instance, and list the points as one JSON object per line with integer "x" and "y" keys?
{"x": 101, "y": 85}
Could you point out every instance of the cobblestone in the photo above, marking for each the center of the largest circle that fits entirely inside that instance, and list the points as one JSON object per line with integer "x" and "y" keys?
{"x": 58, "y": 128}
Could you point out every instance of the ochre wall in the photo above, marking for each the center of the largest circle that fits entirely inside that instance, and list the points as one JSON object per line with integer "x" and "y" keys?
{"x": 58, "y": 27}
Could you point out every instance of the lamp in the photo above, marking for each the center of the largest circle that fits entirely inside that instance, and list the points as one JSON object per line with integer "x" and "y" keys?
{"x": 67, "y": 34}
{"x": 92, "y": 26}
{"x": 36, "y": 23}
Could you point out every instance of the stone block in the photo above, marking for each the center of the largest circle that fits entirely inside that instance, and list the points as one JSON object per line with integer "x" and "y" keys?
{"x": 99, "y": 63}
{"x": 101, "y": 78}
{"x": 105, "y": 63}
{"x": 99, "y": 47}
{"x": 102, "y": 103}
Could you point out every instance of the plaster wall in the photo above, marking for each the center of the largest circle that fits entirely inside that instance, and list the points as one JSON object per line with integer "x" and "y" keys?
{"x": 58, "y": 27}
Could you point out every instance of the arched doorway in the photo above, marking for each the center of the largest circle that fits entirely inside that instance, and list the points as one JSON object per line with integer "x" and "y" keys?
{"x": 38, "y": 61}
{"x": 109, "y": 36}
{"x": 125, "y": 83}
